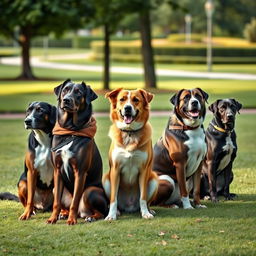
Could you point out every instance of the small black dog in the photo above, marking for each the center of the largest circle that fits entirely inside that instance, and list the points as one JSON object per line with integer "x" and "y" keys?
{"x": 217, "y": 172}
{"x": 36, "y": 182}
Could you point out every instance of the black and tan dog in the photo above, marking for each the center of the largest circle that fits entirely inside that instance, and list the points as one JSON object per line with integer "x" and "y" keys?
{"x": 222, "y": 148}
{"x": 130, "y": 183}
{"x": 77, "y": 161}
{"x": 179, "y": 153}
{"x": 36, "y": 182}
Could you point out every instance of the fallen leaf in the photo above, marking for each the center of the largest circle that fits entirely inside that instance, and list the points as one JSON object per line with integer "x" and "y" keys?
{"x": 174, "y": 236}
{"x": 198, "y": 220}
{"x": 162, "y": 233}
{"x": 164, "y": 243}
{"x": 130, "y": 235}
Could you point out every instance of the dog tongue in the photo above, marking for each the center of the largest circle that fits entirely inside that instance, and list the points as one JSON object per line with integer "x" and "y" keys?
{"x": 194, "y": 113}
{"x": 127, "y": 119}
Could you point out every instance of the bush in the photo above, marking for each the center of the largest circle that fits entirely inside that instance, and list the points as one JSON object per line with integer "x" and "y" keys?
{"x": 250, "y": 31}
{"x": 169, "y": 53}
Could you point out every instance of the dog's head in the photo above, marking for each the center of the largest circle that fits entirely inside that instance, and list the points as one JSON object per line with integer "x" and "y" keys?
{"x": 129, "y": 109}
{"x": 189, "y": 106}
{"x": 225, "y": 111}
{"x": 40, "y": 115}
{"x": 74, "y": 97}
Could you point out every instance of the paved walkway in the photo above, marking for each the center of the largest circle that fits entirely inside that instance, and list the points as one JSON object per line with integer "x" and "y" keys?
{"x": 153, "y": 113}
{"x": 40, "y": 62}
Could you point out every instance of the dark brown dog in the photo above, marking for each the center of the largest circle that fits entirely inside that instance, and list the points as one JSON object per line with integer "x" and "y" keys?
{"x": 76, "y": 158}
{"x": 36, "y": 182}
{"x": 179, "y": 153}
{"x": 222, "y": 148}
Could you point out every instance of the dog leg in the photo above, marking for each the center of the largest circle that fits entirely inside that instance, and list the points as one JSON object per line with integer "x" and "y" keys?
{"x": 227, "y": 178}
{"x": 114, "y": 186}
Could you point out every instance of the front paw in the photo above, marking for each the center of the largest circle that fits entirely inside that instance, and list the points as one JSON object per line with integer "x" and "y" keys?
{"x": 52, "y": 220}
{"x": 110, "y": 217}
{"x": 214, "y": 200}
{"x": 71, "y": 221}
{"x": 198, "y": 206}
{"x": 25, "y": 216}
{"x": 147, "y": 215}
{"x": 186, "y": 203}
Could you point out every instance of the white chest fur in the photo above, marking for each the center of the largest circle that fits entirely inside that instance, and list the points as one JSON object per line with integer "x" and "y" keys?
{"x": 228, "y": 149}
{"x": 42, "y": 162}
{"x": 196, "y": 150}
{"x": 129, "y": 163}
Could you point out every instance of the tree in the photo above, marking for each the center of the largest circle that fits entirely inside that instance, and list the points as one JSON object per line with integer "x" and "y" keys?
{"x": 37, "y": 18}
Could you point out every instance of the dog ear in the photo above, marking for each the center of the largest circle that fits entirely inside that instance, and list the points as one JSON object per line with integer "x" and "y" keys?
{"x": 113, "y": 95}
{"x": 57, "y": 90}
{"x": 214, "y": 107}
{"x": 238, "y": 105}
{"x": 205, "y": 95}
{"x": 53, "y": 115}
{"x": 90, "y": 94}
{"x": 175, "y": 98}
{"x": 146, "y": 95}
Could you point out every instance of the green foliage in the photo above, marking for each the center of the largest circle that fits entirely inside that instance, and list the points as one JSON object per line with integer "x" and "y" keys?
{"x": 250, "y": 31}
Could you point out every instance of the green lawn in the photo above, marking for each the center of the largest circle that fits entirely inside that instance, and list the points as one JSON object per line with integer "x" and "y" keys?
{"x": 227, "y": 228}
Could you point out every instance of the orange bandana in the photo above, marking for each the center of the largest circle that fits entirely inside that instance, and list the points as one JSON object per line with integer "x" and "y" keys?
{"x": 88, "y": 131}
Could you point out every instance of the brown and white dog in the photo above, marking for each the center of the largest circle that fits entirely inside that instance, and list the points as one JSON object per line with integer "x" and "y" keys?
{"x": 130, "y": 183}
{"x": 217, "y": 173}
{"x": 179, "y": 153}
{"x": 36, "y": 182}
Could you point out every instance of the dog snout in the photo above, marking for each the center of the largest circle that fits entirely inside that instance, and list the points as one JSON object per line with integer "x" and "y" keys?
{"x": 128, "y": 109}
{"x": 66, "y": 101}
{"x": 28, "y": 121}
{"x": 194, "y": 103}
{"x": 230, "y": 117}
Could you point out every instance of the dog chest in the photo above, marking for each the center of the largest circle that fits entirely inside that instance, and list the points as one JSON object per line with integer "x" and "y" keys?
{"x": 228, "y": 149}
{"x": 196, "y": 150}
{"x": 129, "y": 163}
{"x": 42, "y": 162}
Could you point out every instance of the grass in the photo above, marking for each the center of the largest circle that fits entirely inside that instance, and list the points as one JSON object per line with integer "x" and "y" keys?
{"x": 227, "y": 228}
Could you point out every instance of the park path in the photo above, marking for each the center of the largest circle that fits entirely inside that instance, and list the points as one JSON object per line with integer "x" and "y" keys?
{"x": 153, "y": 113}
{"x": 42, "y": 63}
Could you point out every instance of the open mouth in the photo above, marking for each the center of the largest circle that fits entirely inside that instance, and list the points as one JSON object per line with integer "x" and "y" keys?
{"x": 128, "y": 118}
{"x": 194, "y": 113}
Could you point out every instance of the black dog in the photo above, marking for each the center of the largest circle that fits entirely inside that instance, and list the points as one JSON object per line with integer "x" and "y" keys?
{"x": 36, "y": 182}
{"x": 217, "y": 172}
{"x": 77, "y": 162}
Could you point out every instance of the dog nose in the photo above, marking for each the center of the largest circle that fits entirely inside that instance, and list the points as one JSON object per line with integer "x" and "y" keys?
{"x": 28, "y": 121}
{"x": 128, "y": 109}
{"x": 230, "y": 117}
{"x": 66, "y": 100}
{"x": 194, "y": 103}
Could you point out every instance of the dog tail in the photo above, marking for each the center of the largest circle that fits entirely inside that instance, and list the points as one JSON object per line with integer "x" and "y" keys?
{"x": 9, "y": 196}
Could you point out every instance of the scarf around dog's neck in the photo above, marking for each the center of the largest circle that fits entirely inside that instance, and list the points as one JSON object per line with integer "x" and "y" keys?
{"x": 88, "y": 130}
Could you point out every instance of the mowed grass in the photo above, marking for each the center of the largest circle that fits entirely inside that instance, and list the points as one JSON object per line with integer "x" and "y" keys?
{"x": 227, "y": 228}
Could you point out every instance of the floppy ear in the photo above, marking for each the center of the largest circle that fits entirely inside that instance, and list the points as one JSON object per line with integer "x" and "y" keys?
{"x": 146, "y": 95}
{"x": 57, "y": 90}
{"x": 113, "y": 95}
{"x": 90, "y": 94}
{"x": 238, "y": 105}
{"x": 175, "y": 98}
{"x": 53, "y": 115}
{"x": 205, "y": 95}
{"x": 214, "y": 107}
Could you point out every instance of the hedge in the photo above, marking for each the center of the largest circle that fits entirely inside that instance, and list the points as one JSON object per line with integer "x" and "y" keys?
{"x": 177, "y": 53}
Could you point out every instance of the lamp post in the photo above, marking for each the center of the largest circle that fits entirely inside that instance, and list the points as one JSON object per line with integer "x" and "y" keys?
{"x": 209, "y": 11}
{"x": 188, "y": 20}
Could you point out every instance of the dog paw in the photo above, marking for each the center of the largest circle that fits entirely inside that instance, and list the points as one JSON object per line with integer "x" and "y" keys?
{"x": 51, "y": 221}
{"x": 71, "y": 221}
{"x": 89, "y": 219}
{"x": 110, "y": 218}
{"x": 198, "y": 206}
{"x": 147, "y": 215}
{"x": 25, "y": 216}
{"x": 188, "y": 207}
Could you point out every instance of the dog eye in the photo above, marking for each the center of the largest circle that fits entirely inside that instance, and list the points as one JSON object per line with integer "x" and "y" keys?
{"x": 122, "y": 100}
{"x": 198, "y": 96}
{"x": 187, "y": 97}
{"x": 136, "y": 100}
{"x": 38, "y": 110}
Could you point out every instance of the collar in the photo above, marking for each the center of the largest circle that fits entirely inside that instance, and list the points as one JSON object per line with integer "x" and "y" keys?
{"x": 220, "y": 129}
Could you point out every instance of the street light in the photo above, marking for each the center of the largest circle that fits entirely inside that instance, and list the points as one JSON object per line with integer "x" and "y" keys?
{"x": 188, "y": 20}
{"x": 209, "y": 12}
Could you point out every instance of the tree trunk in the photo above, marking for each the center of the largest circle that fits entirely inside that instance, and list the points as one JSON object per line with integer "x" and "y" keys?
{"x": 25, "y": 53}
{"x": 147, "y": 50}
{"x": 106, "y": 75}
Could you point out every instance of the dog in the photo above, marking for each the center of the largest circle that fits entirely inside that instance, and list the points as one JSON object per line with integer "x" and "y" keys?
{"x": 217, "y": 172}
{"x": 77, "y": 162}
{"x": 130, "y": 183}
{"x": 36, "y": 182}
{"x": 179, "y": 153}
